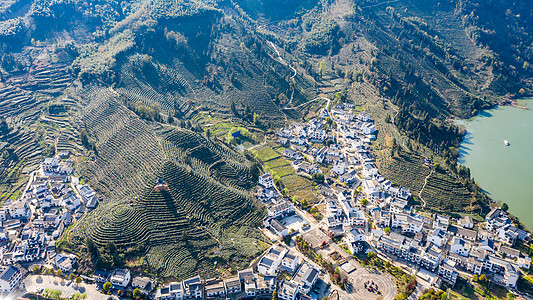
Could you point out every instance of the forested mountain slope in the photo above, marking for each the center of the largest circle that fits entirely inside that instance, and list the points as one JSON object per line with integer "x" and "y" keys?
{"x": 124, "y": 84}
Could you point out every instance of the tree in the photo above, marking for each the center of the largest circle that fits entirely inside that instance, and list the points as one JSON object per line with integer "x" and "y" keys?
{"x": 371, "y": 254}
{"x": 59, "y": 272}
{"x": 107, "y": 286}
{"x": 295, "y": 199}
{"x": 56, "y": 294}
{"x": 274, "y": 295}
{"x": 505, "y": 207}
{"x": 313, "y": 210}
{"x": 78, "y": 280}
{"x": 36, "y": 270}
{"x": 71, "y": 276}
{"x": 304, "y": 204}
{"x": 257, "y": 119}
{"x": 137, "y": 293}
{"x": 475, "y": 278}
{"x": 318, "y": 177}
{"x": 364, "y": 202}
{"x": 83, "y": 296}
{"x": 483, "y": 278}
{"x": 387, "y": 230}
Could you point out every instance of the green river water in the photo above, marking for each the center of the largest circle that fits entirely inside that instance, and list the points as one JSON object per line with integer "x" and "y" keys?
{"x": 504, "y": 172}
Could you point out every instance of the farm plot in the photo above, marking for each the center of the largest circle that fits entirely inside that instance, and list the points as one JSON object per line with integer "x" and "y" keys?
{"x": 444, "y": 192}
{"x": 282, "y": 171}
{"x": 274, "y": 163}
{"x": 294, "y": 182}
{"x": 406, "y": 170}
{"x": 306, "y": 193}
{"x": 265, "y": 154}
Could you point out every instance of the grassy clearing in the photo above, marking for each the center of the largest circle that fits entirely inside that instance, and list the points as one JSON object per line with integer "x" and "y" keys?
{"x": 278, "y": 162}
{"x": 265, "y": 154}
{"x": 282, "y": 171}
{"x": 294, "y": 181}
{"x": 307, "y": 193}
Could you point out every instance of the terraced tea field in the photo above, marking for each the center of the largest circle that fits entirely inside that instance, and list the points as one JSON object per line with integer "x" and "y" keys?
{"x": 207, "y": 212}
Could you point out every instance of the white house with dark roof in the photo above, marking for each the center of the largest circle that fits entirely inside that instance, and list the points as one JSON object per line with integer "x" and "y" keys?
{"x": 193, "y": 288}
{"x": 306, "y": 277}
{"x": 407, "y": 223}
{"x": 509, "y": 252}
{"x": 143, "y": 283}
{"x": 65, "y": 262}
{"x": 278, "y": 228}
{"x": 172, "y": 291}
{"x": 447, "y": 272}
{"x": 466, "y": 222}
{"x": 495, "y": 212}
{"x": 214, "y": 288}
{"x": 10, "y": 278}
{"x": 288, "y": 290}
{"x": 120, "y": 278}
{"x": 460, "y": 246}
{"x": 467, "y": 234}
{"x": 266, "y": 181}
{"x": 49, "y": 164}
{"x": 431, "y": 258}
{"x": 441, "y": 222}
{"x": 232, "y": 285}
{"x": 438, "y": 237}
{"x": 487, "y": 245}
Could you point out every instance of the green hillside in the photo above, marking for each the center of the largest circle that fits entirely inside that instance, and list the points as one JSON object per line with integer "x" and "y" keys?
{"x": 131, "y": 87}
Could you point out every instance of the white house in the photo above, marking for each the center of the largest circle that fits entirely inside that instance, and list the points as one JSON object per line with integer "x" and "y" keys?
{"x": 354, "y": 235}
{"x": 173, "y": 291}
{"x": 86, "y": 192}
{"x": 438, "y": 237}
{"x": 407, "y": 223}
{"x": 214, "y": 288}
{"x": 460, "y": 246}
{"x": 65, "y": 262}
{"x": 338, "y": 168}
{"x": 281, "y": 209}
{"x": 466, "y": 222}
{"x": 363, "y": 117}
{"x": 192, "y": 288}
{"x": 19, "y": 209}
{"x": 266, "y": 181}
{"x": 120, "y": 278}
{"x": 49, "y": 164}
{"x": 233, "y": 285}
{"x": 368, "y": 128}
{"x": 306, "y": 277}
{"x": 288, "y": 290}
{"x": 10, "y": 278}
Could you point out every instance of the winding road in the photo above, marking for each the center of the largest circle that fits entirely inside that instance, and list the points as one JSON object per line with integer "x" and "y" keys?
{"x": 425, "y": 182}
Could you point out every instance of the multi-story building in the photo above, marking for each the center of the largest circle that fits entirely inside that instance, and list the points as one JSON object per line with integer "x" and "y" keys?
{"x": 192, "y": 288}
{"x": 10, "y": 278}
{"x": 431, "y": 258}
{"x": 447, "y": 272}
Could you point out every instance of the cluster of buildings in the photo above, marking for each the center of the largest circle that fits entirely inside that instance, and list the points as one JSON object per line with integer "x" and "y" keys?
{"x": 261, "y": 280}
{"x": 445, "y": 249}
{"x": 122, "y": 278}
{"x": 278, "y": 207}
{"x": 432, "y": 243}
{"x": 30, "y": 225}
